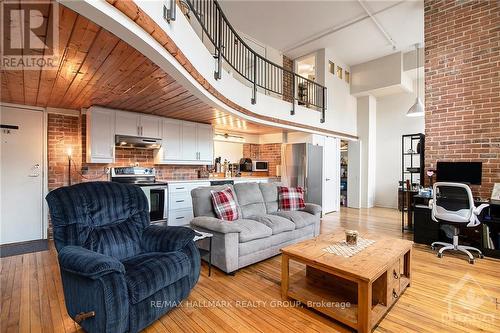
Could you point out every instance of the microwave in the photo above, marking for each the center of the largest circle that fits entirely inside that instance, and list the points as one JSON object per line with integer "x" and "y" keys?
{"x": 260, "y": 166}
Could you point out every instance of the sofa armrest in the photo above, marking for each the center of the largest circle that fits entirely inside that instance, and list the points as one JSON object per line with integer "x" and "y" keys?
{"x": 214, "y": 224}
{"x": 159, "y": 238}
{"x": 312, "y": 208}
{"x": 80, "y": 261}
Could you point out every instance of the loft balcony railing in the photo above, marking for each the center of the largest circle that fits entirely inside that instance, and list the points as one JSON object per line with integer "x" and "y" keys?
{"x": 259, "y": 71}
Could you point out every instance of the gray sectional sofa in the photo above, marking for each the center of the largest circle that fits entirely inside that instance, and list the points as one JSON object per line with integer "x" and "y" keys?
{"x": 261, "y": 230}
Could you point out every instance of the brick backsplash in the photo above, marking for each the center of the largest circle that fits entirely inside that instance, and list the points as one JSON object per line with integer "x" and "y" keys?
{"x": 69, "y": 131}
{"x": 270, "y": 152}
{"x": 462, "y": 85}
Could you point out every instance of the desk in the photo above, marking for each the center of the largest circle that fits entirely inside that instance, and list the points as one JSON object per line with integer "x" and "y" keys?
{"x": 405, "y": 205}
{"x": 485, "y": 237}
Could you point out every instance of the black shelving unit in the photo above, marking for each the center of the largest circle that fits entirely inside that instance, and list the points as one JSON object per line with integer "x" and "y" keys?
{"x": 412, "y": 175}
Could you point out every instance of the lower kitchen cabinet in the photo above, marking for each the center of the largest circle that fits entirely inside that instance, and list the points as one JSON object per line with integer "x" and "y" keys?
{"x": 180, "y": 205}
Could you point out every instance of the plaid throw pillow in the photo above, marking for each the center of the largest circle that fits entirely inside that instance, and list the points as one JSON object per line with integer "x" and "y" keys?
{"x": 225, "y": 205}
{"x": 291, "y": 198}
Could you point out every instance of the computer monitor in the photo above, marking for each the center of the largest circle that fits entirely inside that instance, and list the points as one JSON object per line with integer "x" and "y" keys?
{"x": 459, "y": 172}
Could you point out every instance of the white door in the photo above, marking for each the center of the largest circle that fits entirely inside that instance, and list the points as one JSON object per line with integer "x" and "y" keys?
{"x": 205, "y": 139}
{"x": 189, "y": 144}
{"x": 100, "y": 135}
{"x": 127, "y": 123}
{"x": 171, "y": 144}
{"x": 331, "y": 183}
{"x": 21, "y": 175}
{"x": 150, "y": 127}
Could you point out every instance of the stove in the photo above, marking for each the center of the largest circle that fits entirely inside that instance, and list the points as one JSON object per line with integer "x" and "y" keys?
{"x": 135, "y": 175}
{"x": 155, "y": 191}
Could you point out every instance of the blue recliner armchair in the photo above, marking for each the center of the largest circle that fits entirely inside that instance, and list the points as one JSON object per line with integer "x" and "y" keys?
{"x": 119, "y": 273}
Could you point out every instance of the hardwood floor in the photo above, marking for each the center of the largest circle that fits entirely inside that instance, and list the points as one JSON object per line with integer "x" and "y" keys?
{"x": 446, "y": 294}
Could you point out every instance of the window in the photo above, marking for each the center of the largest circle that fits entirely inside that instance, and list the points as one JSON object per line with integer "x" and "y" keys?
{"x": 339, "y": 72}
{"x": 347, "y": 76}
{"x": 331, "y": 67}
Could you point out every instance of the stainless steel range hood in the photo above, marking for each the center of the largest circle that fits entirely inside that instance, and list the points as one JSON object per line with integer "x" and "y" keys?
{"x": 124, "y": 141}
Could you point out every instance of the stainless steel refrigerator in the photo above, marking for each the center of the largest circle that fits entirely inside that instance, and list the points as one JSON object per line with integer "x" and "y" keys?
{"x": 302, "y": 165}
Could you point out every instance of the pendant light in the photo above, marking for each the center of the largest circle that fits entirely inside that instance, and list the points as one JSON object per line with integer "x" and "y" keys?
{"x": 417, "y": 109}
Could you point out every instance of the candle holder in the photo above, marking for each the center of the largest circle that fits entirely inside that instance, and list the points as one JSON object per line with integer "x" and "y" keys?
{"x": 351, "y": 237}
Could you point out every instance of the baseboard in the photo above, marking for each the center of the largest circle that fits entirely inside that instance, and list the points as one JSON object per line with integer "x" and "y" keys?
{"x": 14, "y": 249}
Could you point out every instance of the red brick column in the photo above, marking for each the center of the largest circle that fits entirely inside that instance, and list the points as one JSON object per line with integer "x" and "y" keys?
{"x": 462, "y": 85}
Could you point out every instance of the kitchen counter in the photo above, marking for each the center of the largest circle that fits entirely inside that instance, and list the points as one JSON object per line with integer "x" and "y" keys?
{"x": 201, "y": 180}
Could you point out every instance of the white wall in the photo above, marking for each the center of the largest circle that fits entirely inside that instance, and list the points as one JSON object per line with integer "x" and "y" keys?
{"x": 231, "y": 151}
{"x": 341, "y": 112}
{"x": 367, "y": 111}
{"x": 377, "y": 73}
{"x": 392, "y": 122}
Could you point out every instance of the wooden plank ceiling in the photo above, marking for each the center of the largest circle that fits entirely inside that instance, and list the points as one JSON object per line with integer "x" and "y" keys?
{"x": 97, "y": 68}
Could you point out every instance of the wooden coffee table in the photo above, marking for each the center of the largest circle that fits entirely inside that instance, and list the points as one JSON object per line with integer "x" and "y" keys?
{"x": 357, "y": 291}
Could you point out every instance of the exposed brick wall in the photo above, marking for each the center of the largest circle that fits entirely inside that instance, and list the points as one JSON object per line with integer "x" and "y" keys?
{"x": 62, "y": 132}
{"x": 270, "y": 152}
{"x": 287, "y": 80}
{"x": 69, "y": 131}
{"x": 462, "y": 80}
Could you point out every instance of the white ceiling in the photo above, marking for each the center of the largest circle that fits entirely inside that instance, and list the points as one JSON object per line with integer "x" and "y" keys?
{"x": 298, "y": 27}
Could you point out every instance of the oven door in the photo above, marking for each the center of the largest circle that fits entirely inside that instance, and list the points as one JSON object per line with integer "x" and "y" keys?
{"x": 157, "y": 202}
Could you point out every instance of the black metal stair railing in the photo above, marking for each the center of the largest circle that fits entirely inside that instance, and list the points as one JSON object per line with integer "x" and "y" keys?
{"x": 255, "y": 68}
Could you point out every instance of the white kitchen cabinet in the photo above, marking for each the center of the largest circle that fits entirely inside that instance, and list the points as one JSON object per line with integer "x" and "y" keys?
{"x": 150, "y": 126}
{"x": 205, "y": 143}
{"x": 189, "y": 141}
{"x": 127, "y": 123}
{"x": 136, "y": 124}
{"x": 185, "y": 142}
{"x": 180, "y": 206}
{"x": 197, "y": 143}
{"x": 171, "y": 141}
{"x": 100, "y": 135}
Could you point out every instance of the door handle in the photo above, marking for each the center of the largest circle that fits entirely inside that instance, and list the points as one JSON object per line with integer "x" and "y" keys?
{"x": 328, "y": 179}
{"x": 35, "y": 171}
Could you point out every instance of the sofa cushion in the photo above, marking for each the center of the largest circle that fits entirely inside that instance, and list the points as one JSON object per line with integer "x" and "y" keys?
{"x": 270, "y": 195}
{"x": 147, "y": 273}
{"x": 291, "y": 198}
{"x": 300, "y": 218}
{"x": 250, "y": 230}
{"x": 277, "y": 223}
{"x": 250, "y": 199}
{"x": 202, "y": 200}
{"x": 225, "y": 206}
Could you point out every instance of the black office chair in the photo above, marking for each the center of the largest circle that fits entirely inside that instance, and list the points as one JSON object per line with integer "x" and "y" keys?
{"x": 453, "y": 203}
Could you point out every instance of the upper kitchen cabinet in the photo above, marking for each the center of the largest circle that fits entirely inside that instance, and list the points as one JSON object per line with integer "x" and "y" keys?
{"x": 100, "y": 135}
{"x": 171, "y": 147}
{"x": 189, "y": 142}
{"x": 205, "y": 143}
{"x": 136, "y": 124}
{"x": 185, "y": 142}
{"x": 150, "y": 126}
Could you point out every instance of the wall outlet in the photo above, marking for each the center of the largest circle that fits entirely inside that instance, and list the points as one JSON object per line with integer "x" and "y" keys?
{"x": 107, "y": 170}
{"x": 84, "y": 170}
